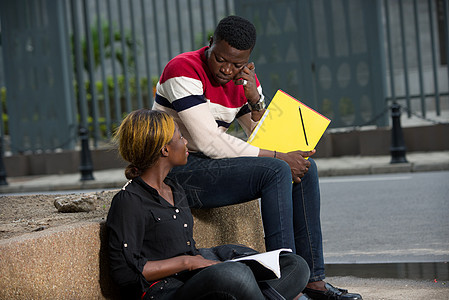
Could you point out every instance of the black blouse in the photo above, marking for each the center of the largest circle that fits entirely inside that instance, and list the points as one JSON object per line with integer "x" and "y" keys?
{"x": 143, "y": 226}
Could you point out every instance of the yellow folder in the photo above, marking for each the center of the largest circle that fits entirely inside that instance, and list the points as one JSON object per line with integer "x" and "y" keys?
{"x": 288, "y": 125}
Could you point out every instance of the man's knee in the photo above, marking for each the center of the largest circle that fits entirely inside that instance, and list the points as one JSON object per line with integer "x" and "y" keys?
{"x": 280, "y": 167}
{"x": 313, "y": 168}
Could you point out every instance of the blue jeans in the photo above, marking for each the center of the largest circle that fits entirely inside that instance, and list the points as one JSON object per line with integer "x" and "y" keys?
{"x": 290, "y": 212}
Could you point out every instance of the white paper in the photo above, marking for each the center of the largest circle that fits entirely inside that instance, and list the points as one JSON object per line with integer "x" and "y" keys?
{"x": 269, "y": 260}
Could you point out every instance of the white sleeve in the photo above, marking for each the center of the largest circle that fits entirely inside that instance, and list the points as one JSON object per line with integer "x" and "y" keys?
{"x": 186, "y": 96}
{"x": 209, "y": 138}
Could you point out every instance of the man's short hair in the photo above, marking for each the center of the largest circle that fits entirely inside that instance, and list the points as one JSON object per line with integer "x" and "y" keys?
{"x": 237, "y": 32}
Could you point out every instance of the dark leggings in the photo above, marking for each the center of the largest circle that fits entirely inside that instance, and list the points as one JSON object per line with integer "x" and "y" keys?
{"x": 231, "y": 280}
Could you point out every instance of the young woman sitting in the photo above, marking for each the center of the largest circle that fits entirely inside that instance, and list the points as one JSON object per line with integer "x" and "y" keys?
{"x": 151, "y": 248}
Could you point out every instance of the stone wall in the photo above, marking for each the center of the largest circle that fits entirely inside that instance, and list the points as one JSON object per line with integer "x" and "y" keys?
{"x": 70, "y": 262}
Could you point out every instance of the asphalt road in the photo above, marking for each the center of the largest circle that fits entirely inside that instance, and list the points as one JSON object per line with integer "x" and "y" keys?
{"x": 400, "y": 217}
{"x": 386, "y": 218}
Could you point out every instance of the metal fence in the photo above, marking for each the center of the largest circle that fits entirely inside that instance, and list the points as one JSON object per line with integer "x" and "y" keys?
{"x": 122, "y": 47}
{"x": 118, "y": 49}
{"x": 417, "y": 50}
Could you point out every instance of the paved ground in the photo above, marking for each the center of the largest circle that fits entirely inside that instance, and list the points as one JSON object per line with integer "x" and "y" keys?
{"x": 394, "y": 218}
{"x": 378, "y": 285}
{"x": 393, "y": 289}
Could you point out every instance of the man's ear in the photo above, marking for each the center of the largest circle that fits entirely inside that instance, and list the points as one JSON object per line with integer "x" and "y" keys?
{"x": 164, "y": 151}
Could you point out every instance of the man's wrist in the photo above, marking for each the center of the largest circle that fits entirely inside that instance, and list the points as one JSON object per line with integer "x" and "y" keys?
{"x": 259, "y": 105}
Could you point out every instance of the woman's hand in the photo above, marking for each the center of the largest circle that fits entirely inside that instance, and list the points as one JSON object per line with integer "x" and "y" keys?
{"x": 298, "y": 163}
{"x": 154, "y": 270}
{"x": 197, "y": 262}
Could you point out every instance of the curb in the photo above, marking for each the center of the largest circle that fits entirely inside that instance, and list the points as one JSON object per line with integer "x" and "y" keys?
{"x": 383, "y": 169}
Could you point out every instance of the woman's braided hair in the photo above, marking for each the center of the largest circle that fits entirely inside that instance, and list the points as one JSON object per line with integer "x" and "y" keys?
{"x": 141, "y": 137}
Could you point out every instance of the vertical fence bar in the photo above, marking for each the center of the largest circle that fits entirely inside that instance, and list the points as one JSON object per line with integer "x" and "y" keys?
{"x": 91, "y": 73}
{"x": 203, "y": 24}
{"x": 156, "y": 34}
{"x": 81, "y": 92}
{"x": 418, "y": 51}
{"x": 329, "y": 23}
{"x": 136, "y": 63}
{"x": 192, "y": 34}
{"x": 167, "y": 29}
{"x": 3, "y": 173}
{"x": 107, "y": 109}
{"x": 146, "y": 51}
{"x": 180, "y": 35}
{"x": 347, "y": 17}
{"x": 446, "y": 27}
{"x": 227, "y": 8}
{"x": 404, "y": 58}
{"x": 390, "y": 60}
{"x": 85, "y": 167}
{"x": 124, "y": 57}
{"x": 2, "y": 121}
{"x": 434, "y": 60}
{"x": 214, "y": 11}
{"x": 117, "y": 104}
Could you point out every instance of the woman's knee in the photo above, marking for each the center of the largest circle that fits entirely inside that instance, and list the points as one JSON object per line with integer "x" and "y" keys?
{"x": 295, "y": 274}
{"x": 298, "y": 268}
{"x": 235, "y": 279}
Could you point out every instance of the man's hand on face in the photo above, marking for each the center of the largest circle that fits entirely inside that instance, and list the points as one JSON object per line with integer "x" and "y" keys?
{"x": 247, "y": 78}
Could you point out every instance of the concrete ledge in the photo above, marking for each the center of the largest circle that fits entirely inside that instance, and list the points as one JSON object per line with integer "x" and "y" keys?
{"x": 375, "y": 165}
{"x": 425, "y": 167}
{"x": 74, "y": 184}
{"x": 70, "y": 262}
{"x": 66, "y": 262}
{"x": 236, "y": 224}
{"x": 392, "y": 168}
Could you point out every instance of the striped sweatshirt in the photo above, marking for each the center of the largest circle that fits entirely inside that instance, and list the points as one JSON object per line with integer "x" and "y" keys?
{"x": 204, "y": 109}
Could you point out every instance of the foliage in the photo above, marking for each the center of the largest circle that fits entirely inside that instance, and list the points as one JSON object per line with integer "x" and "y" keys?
{"x": 201, "y": 41}
{"x": 111, "y": 43}
{"x": 111, "y": 49}
{"x": 116, "y": 101}
{"x": 346, "y": 107}
{"x": 347, "y": 110}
